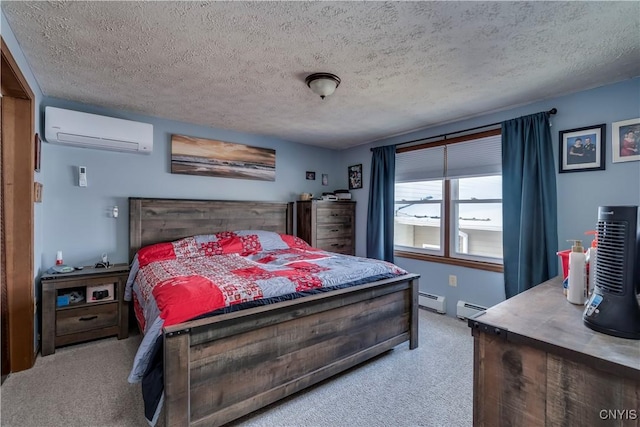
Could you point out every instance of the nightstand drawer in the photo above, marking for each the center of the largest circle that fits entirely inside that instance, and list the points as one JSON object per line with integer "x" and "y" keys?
{"x": 86, "y": 318}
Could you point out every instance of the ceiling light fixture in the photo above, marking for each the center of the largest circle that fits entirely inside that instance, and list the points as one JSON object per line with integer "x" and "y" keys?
{"x": 323, "y": 84}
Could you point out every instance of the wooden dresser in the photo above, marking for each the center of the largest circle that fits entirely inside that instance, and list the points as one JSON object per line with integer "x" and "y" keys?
{"x": 537, "y": 364}
{"x": 328, "y": 225}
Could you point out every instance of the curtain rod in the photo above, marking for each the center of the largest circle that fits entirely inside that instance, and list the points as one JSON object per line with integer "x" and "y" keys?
{"x": 444, "y": 135}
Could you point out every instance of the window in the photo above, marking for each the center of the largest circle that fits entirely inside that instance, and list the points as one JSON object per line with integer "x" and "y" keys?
{"x": 448, "y": 201}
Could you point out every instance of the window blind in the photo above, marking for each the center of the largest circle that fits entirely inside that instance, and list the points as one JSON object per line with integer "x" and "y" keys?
{"x": 420, "y": 165}
{"x": 476, "y": 157}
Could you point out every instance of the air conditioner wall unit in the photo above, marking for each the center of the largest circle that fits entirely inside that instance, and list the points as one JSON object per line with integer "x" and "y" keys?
{"x": 465, "y": 310}
{"x": 432, "y": 302}
{"x": 93, "y": 131}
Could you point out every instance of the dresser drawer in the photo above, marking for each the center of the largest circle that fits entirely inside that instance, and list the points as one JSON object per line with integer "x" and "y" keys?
{"x": 86, "y": 318}
{"x": 339, "y": 215}
{"x": 342, "y": 245}
{"x": 326, "y": 231}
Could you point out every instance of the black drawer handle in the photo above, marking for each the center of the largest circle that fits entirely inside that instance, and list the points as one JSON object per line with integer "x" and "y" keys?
{"x": 335, "y": 230}
{"x": 84, "y": 319}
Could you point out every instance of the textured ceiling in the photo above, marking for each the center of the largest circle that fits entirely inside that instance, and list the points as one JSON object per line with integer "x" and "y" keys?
{"x": 403, "y": 65}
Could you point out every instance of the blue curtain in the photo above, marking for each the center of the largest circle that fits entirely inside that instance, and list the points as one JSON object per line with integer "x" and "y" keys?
{"x": 381, "y": 203}
{"x": 529, "y": 203}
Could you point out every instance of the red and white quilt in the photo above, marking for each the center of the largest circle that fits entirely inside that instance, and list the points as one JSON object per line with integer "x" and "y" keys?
{"x": 178, "y": 281}
{"x": 197, "y": 275}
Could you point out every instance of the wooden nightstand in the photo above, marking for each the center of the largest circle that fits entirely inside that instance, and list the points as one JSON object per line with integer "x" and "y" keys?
{"x": 83, "y": 320}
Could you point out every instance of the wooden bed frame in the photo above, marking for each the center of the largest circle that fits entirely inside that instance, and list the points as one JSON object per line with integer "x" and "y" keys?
{"x": 221, "y": 368}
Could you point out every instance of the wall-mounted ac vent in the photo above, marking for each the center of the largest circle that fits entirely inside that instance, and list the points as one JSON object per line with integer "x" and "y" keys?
{"x": 465, "y": 309}
{"x": 432, "y": 302}
{"x": 93, "y": 131}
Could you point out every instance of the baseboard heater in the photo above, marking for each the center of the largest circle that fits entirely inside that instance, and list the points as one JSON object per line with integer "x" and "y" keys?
{"x": 465, "y": 309}
{"x": 432, "y": 302}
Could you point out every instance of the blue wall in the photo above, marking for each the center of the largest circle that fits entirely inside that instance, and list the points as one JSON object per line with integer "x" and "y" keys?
{"x": 579, "y": 193}
{"x": 78, "y": 222}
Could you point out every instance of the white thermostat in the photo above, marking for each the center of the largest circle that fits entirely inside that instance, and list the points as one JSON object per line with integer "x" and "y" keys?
{"x": 82, "y": 176}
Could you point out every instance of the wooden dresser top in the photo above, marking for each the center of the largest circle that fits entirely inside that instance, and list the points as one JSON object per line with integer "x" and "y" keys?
{"x": 543, "y": 318}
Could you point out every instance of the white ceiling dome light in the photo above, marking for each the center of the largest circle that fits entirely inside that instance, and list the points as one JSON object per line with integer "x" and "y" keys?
{"x": 323, "y": 84}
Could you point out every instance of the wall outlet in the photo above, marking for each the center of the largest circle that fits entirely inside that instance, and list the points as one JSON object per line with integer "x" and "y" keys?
{"x": 453, "y": 280}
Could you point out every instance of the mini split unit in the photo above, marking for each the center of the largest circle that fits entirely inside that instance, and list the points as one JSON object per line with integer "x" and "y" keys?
{"x": 93, "y": 131}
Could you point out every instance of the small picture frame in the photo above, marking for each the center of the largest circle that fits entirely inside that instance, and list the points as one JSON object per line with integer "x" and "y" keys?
{"x": 325, "y": 179}
{"x": 582, "y": 149}
{"x": 38, "y": 147}
{"x": 625, "y": 141}
{"x": 355, "y": 176}
{"x": 311, "y": 176}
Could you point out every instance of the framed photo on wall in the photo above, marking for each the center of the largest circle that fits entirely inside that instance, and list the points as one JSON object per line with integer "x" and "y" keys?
{"x": 625, "y": 141}
{"x": 582, "y": 149}
{"x": 355, "y": 176}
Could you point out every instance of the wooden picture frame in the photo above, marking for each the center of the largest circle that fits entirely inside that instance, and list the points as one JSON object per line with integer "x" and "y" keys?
{"x": 355, "y": 176}
{"x": 625, "y": 141}
{"x": 582, "y": 149}
{"x": 311, "y": 176}
{"x": 37, "y": 156}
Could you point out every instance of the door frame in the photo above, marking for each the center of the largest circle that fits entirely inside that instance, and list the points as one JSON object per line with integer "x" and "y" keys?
{"x": 18, "y": 151}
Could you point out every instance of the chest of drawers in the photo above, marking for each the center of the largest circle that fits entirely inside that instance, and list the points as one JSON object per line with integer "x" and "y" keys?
{"x": 328, "y": 225}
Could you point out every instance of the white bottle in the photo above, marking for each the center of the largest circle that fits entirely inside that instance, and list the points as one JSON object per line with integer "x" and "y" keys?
{"x": 592, "y": 259}
{"x": 576, "y": 292}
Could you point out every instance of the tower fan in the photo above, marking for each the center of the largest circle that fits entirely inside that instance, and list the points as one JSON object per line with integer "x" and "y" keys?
{"x": 613, "y": 308}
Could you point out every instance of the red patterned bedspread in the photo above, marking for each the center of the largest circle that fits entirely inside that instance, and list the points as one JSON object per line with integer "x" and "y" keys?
{"x": 197, "y": 275}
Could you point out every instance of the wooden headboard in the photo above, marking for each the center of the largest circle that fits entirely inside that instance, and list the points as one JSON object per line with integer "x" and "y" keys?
{"x": 163, "y": 220}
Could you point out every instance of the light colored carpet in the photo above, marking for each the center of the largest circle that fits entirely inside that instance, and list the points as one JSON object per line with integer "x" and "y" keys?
{"x": 86, "y": 385}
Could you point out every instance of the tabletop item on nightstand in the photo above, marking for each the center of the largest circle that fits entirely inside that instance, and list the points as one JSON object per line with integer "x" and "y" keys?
{"x": 62, "y": 268}
{"x": 104, "y": 263}
{"x": 59, "y": 258}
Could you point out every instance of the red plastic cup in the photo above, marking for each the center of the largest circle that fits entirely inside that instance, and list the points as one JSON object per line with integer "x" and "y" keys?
{"x": 564, "y": 257}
